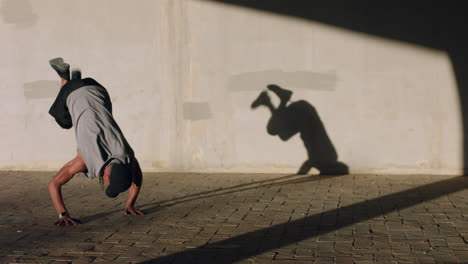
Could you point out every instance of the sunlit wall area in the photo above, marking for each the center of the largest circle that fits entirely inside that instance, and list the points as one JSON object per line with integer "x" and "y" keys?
{"x": 183, "y": 75}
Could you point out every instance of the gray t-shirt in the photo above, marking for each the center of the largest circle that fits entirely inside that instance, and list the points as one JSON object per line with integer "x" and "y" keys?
{"x": 100, "y": 140}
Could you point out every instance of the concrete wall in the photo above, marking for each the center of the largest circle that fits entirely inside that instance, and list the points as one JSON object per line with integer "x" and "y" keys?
{"x": 182, "y": 75}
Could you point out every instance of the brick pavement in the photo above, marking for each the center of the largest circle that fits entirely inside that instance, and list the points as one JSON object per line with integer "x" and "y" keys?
{"x": 241, "y": 218}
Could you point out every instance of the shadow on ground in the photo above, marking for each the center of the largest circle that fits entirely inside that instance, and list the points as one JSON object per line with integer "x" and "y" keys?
{"x": 151, "y": 208}
{"x": 250, "y": 244}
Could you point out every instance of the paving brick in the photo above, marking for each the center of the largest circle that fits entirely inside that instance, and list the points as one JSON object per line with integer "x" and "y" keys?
{"x": 242, "y": 218}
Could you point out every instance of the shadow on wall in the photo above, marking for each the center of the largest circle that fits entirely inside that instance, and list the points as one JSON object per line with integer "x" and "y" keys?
{"x": 439, "y": 26}
{"x": 301, "y": 117}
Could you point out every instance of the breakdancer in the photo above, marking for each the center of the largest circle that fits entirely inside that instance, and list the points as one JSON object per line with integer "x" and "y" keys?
{"x": 102, "y": 150}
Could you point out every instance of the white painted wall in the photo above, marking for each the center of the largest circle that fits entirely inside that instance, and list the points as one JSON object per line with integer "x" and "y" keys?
{"x": 182, "y": 75}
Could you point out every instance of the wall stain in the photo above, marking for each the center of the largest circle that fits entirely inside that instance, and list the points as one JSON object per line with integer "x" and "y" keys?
{"x": 197, "y": 111}
{"x": 41, "y": 89}
{"x": 298, "y": 79}
{"x": 18, "y": 12}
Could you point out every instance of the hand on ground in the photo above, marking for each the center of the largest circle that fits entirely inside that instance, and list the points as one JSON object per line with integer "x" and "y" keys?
{"x": 133, "y": 211}
{"x": 67, "y": 221}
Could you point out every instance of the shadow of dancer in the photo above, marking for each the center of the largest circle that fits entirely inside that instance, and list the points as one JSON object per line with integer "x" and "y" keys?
{"x": 301, "y": 117}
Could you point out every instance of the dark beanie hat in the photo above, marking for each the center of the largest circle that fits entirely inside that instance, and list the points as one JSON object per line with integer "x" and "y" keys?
{"x": 120, "y": 180}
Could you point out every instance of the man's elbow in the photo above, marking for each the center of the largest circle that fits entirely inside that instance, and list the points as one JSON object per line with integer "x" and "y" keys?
{"x": 53, "y": 185}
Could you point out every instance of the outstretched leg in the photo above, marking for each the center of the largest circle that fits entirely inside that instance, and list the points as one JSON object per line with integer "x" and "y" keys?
{"x": 277, "y": 125}
{"x": 283, "y": 94}
{"x": 76, "y": 74}
{"x": 263, "y": 99}
{"x": 62, "y": 68}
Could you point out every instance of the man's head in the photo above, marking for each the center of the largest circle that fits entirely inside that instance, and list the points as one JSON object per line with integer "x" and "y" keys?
{"x": 120, "y": 180}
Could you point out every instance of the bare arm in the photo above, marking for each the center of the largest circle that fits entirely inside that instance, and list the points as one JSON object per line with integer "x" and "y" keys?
{"x": 134, "y": 190}
{"x": 67, "y": 172}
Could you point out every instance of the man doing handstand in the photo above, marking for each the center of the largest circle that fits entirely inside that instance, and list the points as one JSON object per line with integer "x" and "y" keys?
{"x": 102, "y": 148}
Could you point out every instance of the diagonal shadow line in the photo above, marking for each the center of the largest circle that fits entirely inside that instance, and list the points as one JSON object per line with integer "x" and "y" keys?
{"x": 232, "y": 190}
{"x": 263, "y": 240}
{"x": 157, "y": 206}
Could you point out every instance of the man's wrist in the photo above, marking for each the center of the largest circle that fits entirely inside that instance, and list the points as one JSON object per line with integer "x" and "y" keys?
{"x": 63, "y": 214}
